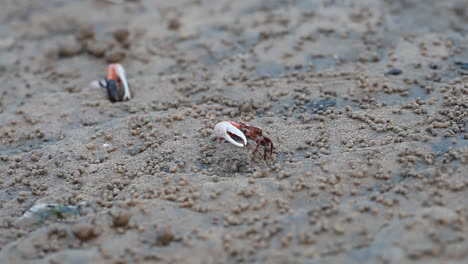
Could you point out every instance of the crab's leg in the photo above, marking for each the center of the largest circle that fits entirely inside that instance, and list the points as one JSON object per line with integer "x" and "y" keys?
{"x": 271, "y": 147}
{"x": 256, "y": 148}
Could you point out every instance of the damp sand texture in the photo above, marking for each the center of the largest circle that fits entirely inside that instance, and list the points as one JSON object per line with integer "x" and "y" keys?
{"x": 366, "y": 103}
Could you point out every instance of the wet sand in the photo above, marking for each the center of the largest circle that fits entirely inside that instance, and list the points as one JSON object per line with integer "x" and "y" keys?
{"x": 366, "y": 103}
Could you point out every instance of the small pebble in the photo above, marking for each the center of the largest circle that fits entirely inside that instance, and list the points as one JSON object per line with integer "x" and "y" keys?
{"x": 394, "y": 71}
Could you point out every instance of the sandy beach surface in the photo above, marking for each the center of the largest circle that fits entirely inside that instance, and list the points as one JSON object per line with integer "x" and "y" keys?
{"x": 366, "y": 103}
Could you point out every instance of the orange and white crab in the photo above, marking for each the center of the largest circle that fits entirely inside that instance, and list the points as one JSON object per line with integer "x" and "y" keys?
{"x": 115, "y": 83}
{"x": 237, "y": 134}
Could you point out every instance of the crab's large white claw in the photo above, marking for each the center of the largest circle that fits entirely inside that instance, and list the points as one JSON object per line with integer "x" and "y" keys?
{"x": 121, "y": 74}
{"x": 223, "y": 129}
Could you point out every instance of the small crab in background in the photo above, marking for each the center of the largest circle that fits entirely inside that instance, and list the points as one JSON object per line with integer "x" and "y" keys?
{"x": 115, "y": 83}
{"x": 237, "y": 134}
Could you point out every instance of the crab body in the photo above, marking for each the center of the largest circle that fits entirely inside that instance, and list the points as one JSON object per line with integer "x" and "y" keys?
{"x": 112, "y": 88}
{"x": 116, "y": 83}
{"x": 237, "y": 134}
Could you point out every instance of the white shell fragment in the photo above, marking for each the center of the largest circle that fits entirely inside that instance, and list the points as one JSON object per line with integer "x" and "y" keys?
{"x": 222, "y": 130}
{"x": 43, "y": 211}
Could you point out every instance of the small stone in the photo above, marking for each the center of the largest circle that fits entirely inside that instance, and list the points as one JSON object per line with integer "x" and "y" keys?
{"x": 96, "y": 48}
{"x": 115, "y": 56}
{"x": 165, "y": 237}
{"x": 91, "y": 146}
{"x": 69, "y": 47}
{"x": 174, "y": 24}
{"x": 462, "y": 65}
{"x": 122, "y": 35}
{"x": 394, "y": 71}
{"x": 246, "y": 107}
{"x": 433, "y": 66}
{"x": 84, "y": 231}
{"x": 121, "y": 217}
{"x": 85, "y": 34}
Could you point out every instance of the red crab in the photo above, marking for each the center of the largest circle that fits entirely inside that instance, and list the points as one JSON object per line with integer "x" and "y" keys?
{"x": 234, "y": 132}
{"x": 116, "y": 83}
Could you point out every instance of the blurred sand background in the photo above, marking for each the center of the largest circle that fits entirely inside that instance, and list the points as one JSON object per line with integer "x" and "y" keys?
{"x": 368, "y": 167}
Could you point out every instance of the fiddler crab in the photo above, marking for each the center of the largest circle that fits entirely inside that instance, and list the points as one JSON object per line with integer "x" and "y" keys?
{"x": 237, "y": 134}
{"x": 115, "y": 83}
